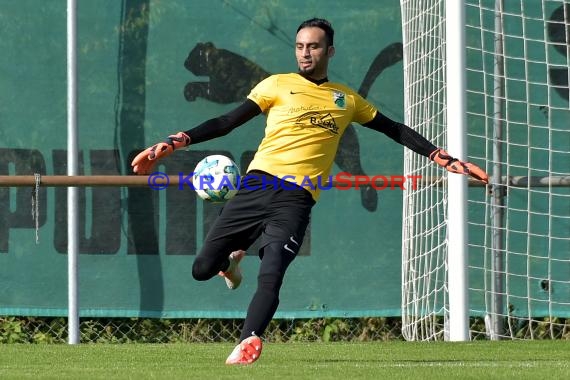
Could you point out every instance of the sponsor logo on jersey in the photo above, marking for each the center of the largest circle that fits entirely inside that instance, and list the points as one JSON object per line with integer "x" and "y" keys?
{"x": 317, "y": 119}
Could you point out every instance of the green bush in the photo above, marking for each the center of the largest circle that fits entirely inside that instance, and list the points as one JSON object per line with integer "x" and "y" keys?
{"x": 146, "y": 330}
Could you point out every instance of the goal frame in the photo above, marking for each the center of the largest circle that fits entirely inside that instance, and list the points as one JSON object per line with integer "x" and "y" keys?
{"x": 456, "y": 114}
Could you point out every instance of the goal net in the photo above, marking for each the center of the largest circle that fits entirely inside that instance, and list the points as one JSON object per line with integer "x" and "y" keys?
{"x": 518, "y": 130}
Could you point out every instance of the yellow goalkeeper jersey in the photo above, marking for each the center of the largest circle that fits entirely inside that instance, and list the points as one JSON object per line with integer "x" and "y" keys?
{"x": 305, "y": 122}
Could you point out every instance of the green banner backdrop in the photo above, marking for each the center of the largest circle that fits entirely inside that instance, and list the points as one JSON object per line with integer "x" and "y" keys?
{"x": 150, "y": 68}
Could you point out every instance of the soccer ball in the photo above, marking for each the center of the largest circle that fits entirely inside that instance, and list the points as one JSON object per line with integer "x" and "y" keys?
{"x": 216, "y": 178}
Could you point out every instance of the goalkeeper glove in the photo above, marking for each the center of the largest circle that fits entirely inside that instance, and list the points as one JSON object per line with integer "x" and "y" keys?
{"x": 453, "y": 165}
{"x": 145, "y": 160}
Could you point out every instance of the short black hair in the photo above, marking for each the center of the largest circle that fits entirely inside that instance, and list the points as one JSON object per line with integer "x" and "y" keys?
{"x": 320, "y": 23}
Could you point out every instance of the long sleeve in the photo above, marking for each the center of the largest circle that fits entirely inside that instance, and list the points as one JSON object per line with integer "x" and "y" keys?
{"x": 402, "y": 134}
{"x": 222, "y": 125}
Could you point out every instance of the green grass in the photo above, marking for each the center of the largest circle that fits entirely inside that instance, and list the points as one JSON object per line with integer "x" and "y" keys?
{"x": 346, "y": 361}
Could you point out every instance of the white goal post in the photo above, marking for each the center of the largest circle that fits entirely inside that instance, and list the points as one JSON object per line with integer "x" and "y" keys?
{"x": 494, "y": 92}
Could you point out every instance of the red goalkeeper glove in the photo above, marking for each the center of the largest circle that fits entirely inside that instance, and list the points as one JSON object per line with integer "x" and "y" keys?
{"x": 145, "y": 160}
{"x": 453, "y": 165}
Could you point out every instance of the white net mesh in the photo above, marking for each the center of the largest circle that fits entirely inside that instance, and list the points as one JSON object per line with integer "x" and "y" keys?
{"x": 519, "y": 131}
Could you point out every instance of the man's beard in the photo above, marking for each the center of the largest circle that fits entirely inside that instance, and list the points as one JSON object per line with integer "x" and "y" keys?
{"x": 308, "y": 71}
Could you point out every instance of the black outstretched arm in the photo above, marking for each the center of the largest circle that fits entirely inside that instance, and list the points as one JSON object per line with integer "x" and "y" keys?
{"x": 402, "y": 134}
{"x": 222, "y": 125}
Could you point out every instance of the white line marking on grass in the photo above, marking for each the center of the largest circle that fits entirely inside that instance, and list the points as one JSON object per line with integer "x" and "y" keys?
{"x": 478, "y": 364}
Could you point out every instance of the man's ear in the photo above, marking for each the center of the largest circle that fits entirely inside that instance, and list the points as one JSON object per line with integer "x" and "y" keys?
{"x": 330, "y": 51}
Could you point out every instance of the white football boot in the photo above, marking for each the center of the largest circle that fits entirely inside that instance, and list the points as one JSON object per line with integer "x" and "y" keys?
{"x": 232, "y": 275}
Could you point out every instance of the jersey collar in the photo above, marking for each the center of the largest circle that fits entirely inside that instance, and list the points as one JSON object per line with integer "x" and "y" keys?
{"x": 317, "y": 82}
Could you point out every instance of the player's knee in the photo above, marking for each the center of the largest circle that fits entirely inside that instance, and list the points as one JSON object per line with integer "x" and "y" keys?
{"x": 202, "y": 270}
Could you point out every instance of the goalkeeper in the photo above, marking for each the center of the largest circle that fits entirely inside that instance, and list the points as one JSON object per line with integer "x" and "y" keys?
{"x": 306, "y": 117}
